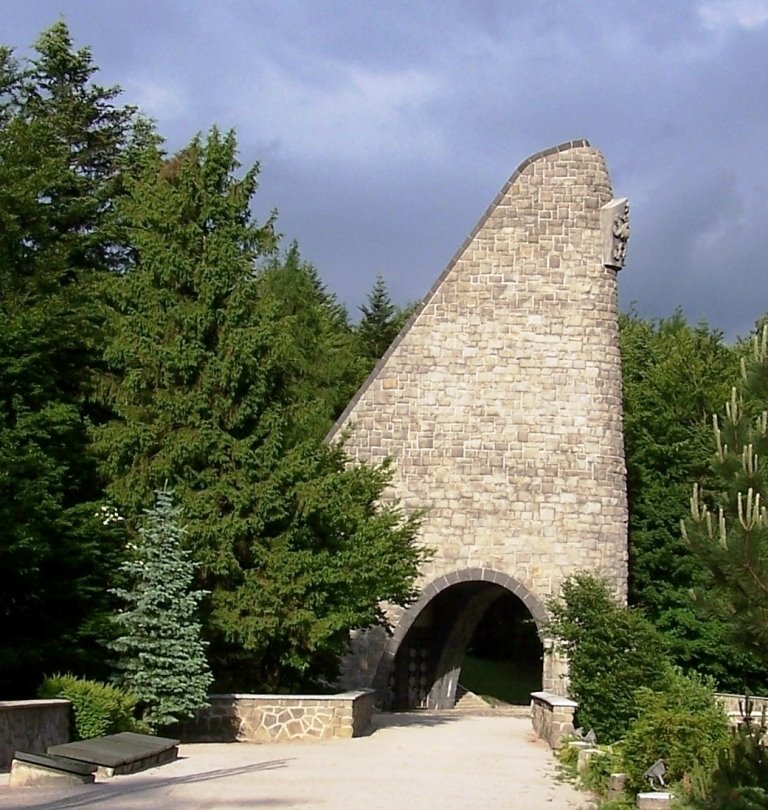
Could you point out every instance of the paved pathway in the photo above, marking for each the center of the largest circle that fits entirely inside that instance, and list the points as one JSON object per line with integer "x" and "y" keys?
{"x": 410, "y": 761}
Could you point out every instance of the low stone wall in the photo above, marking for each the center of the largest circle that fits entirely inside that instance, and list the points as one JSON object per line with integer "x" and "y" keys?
{"x": 552, "y": 717}
{"x": 731, "y": 705}
{"x": 278, "y": 718}
{"x": 31, "y": 726}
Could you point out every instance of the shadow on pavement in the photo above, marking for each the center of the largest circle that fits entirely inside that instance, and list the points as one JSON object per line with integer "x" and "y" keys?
{"x": 420, "y": 718}
{"x": 107, "y": 792}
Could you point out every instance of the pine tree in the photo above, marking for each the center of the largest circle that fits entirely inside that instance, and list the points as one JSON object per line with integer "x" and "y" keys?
{"x": 60, "y": 140}
{"x": 212, "y": 392}
{"x": 162, "y": 656}
{"x": 728, "y": 527}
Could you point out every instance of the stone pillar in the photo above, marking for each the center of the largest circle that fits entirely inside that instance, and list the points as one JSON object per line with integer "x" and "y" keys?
{"x": 552, "y": 717}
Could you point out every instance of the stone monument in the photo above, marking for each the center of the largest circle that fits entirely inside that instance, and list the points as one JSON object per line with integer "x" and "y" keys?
{"x": 500, "y": 404}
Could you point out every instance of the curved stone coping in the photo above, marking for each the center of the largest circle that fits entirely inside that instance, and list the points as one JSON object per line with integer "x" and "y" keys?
{"x": 555, "y": 700}
{"x": 291, "y": 697}
{"x": 730, "y": 704}
{"x": 731, "y": 698}
{"x": 9, "y": 705}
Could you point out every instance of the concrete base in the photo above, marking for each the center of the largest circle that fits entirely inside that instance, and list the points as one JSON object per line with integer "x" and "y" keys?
{"x": 616, "y": 785}
{"x": 25, "y": 774}
{"x": 585, "y": 756}
{"x": 654, "y": 801}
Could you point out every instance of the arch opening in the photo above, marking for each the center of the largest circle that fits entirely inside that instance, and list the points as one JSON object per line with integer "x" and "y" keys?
{"x": 504, "y": 658}
{"x": 492, "y": 616}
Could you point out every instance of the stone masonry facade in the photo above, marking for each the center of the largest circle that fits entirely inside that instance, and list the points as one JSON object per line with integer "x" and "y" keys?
{"x": 500, "y": 401}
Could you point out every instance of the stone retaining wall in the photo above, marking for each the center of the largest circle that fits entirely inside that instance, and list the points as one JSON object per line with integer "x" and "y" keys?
{"x": 552, "y": 717}
{"x": 31, "y": 726}
{"x": 279, "y": 718}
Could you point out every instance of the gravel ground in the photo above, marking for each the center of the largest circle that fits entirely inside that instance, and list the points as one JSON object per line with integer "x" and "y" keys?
{"x": 410, "y": 760}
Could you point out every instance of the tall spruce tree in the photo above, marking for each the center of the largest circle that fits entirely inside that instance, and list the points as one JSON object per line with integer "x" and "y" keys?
{"x": 327, "y": 367}
{"x": 728, "y": 526}
{"x": 293, "y": 545}
{"x": 162, "y": 659}
{"x": 380, "y": 324}
{"x": 61, "y": 136}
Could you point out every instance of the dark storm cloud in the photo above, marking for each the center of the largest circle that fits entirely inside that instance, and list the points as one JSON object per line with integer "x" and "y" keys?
{"x": 384, "y": 129}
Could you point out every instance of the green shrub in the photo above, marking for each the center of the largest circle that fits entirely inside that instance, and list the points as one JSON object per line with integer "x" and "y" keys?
{"x": 681, "y": 724}
{"x": 612, "y": 652}
{"x": 623, "y": 803}
{"x": 568, "y": 758}
{"x": 98, "y": 708}
{"x": 740, "y": 781}
{"x": 597, "y": 775}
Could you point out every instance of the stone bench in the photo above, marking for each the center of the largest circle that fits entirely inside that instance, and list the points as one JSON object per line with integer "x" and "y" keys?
{"x": 34, "y": 770}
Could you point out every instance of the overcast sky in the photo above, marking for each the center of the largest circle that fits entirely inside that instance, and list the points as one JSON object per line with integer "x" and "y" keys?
{"x": 385, "y": 128}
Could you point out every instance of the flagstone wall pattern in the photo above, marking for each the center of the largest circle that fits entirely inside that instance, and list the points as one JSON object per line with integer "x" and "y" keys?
{"x": 276, "y": 718}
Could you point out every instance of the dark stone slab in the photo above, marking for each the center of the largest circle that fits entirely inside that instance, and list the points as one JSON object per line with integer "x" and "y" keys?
{"x": 55, "y": 763}
{"x": 126, "y": 752}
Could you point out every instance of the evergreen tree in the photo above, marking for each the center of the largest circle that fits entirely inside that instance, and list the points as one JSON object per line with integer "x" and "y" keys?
{"x": 162, "y": 659}
{"x": 207, "y": 367}
{"x": 327, "y": 368}
{"x": 728, "y": 526}
{"x": 381, "y": 322}
{"x": 60, "y": 140}
{"x": 674, "y": 376}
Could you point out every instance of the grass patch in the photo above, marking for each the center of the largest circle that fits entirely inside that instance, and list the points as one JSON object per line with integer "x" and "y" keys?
{"x": 510, "y": 681}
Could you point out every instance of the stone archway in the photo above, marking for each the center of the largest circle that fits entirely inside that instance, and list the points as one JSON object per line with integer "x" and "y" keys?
{"x": 443, "y": 647}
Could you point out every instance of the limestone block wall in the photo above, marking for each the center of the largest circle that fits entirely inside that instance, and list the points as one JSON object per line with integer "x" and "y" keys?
{"x": 500, "y": 401}
{"x": 279, "y": 718}
{"x": 734, "y": 704}
{"x": 31, "y": 726}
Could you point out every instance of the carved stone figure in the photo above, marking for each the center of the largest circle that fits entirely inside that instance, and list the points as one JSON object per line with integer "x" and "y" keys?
{"x": 614, "y": 220}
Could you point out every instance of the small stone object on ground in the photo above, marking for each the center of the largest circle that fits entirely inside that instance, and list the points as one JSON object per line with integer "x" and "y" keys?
{"x": 121, "y": 753}
{"x": 654, "y": 801}
{"x": 655, "y": 775}
{"x": 617, "y": 783}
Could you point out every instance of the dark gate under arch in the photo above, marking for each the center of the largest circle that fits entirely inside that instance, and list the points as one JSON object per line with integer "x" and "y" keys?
{"x": 422, "y": 660}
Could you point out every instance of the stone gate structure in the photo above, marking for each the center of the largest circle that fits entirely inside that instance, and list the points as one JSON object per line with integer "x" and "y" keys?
{"x": 500, "y": 403}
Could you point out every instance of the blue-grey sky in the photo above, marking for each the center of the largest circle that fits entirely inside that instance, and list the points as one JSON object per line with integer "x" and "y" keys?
{"x": 384, "y": 128}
